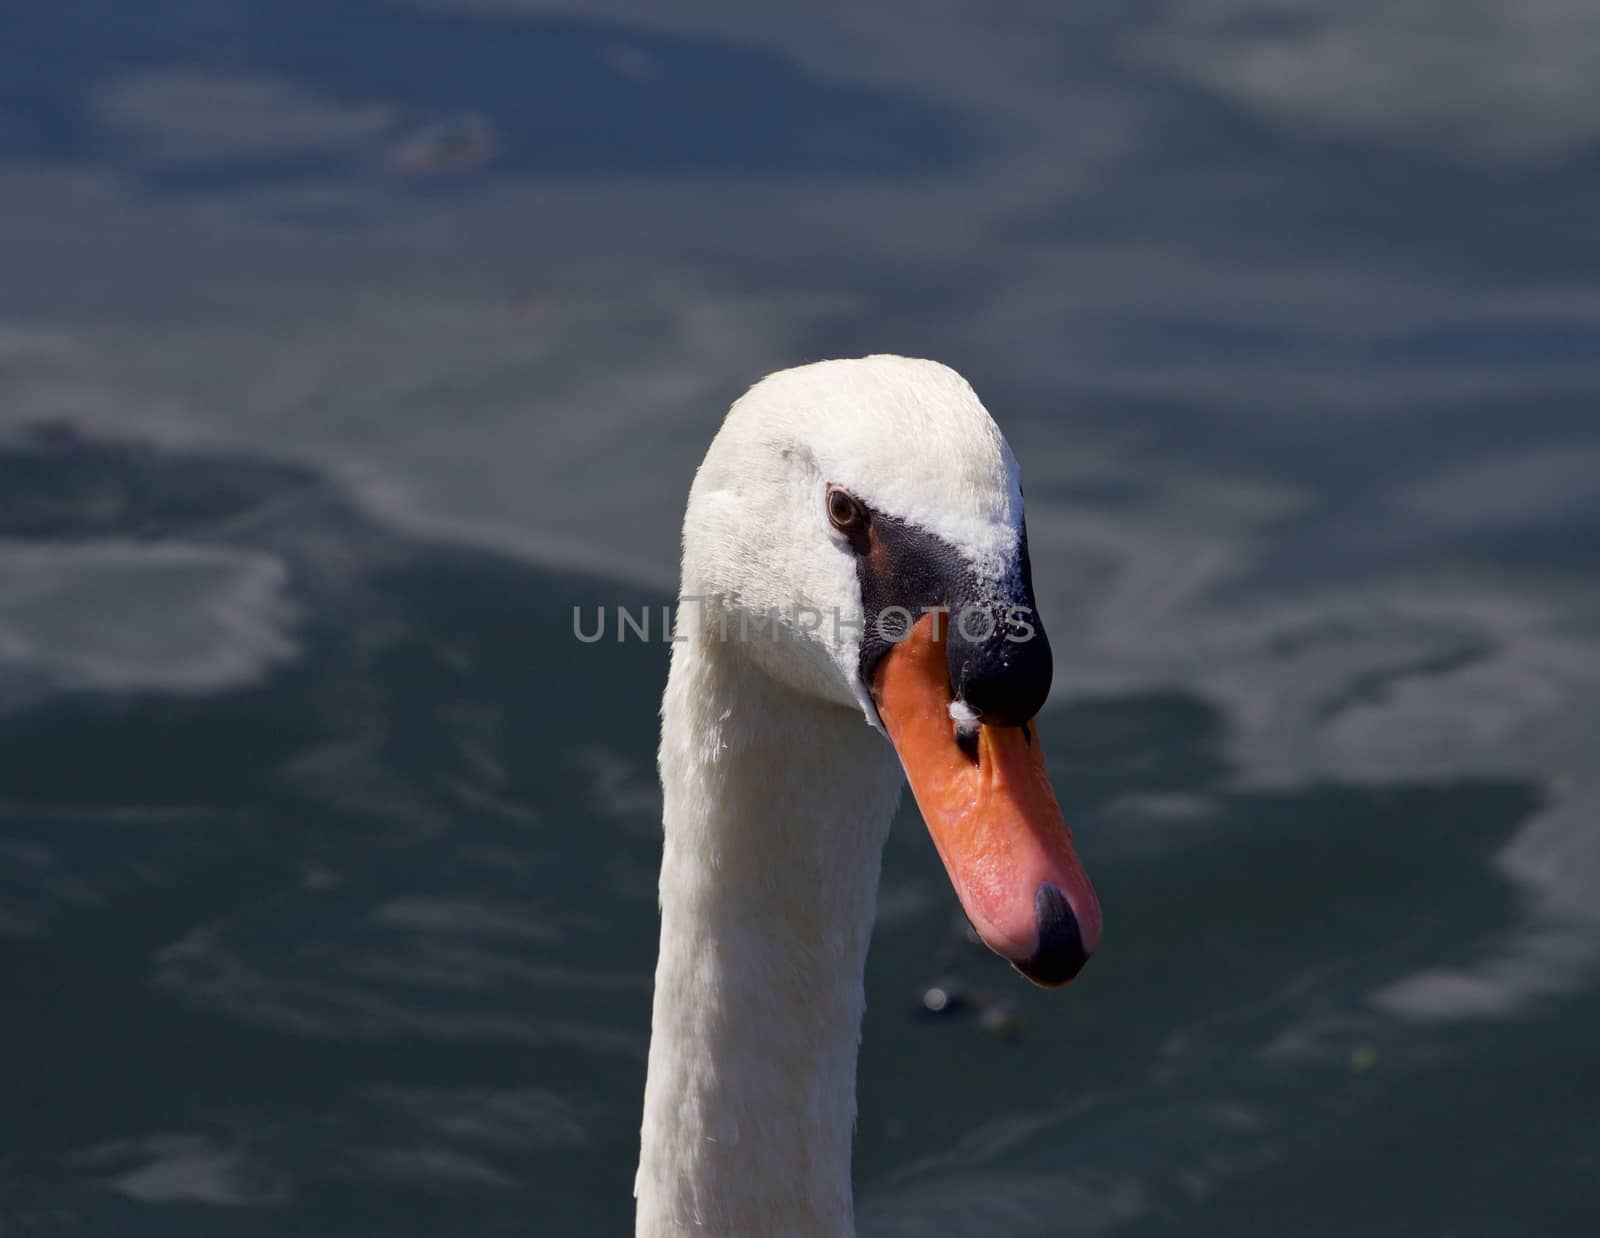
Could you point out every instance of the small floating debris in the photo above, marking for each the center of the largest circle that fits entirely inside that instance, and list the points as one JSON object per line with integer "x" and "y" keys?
{"x": 1001, "y": 1016}
{"x": 458, "y": 144}
{"x": 1363, "y": 1058}
{"x": 941, "y": 998}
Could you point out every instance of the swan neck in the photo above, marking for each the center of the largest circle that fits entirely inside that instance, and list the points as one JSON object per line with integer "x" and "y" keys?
{"x": 775, "y": 809}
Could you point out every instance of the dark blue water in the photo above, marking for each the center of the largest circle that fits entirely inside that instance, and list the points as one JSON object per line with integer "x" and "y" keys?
{"x": 344, "y": 349}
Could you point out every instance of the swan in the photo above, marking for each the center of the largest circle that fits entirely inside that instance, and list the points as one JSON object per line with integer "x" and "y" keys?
{"x": 854, "y": 560}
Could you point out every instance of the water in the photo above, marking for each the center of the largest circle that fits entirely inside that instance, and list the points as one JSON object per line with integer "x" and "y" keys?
{"x": 345, "y": 349}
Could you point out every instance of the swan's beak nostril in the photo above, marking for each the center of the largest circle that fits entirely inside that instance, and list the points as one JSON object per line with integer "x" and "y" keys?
{"x": 966, "y": 723}
{"x": 1060, "y": 954}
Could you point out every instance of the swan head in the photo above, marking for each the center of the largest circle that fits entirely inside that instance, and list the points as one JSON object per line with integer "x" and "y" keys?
{"x": 857, "y": 530}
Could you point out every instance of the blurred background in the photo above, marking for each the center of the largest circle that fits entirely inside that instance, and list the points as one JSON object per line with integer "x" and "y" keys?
{"x": 346, "y": 346}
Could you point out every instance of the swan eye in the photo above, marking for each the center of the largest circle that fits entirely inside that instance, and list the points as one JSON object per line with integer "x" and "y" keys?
{"x": 843, "y": 510}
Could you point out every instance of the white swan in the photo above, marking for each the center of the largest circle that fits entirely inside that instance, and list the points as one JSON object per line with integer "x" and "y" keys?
{"x": 831, "y": 494}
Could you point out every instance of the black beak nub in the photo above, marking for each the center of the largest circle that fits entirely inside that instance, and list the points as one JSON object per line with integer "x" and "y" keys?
{"x": 1002, "y": 677}
{"x": 1059, "y": 955}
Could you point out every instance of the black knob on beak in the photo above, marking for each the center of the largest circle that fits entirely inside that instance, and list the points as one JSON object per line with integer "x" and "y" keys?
{"x": 999, "y": 660}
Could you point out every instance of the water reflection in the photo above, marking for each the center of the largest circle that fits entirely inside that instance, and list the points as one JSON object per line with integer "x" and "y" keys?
{"x": 342, "y": 351}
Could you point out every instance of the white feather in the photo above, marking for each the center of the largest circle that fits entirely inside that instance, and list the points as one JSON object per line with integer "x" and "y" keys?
{"x": 965, "y": 717}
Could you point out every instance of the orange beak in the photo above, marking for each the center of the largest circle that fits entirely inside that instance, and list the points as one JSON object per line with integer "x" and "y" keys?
{"x": 993, "y": 817}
